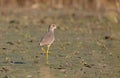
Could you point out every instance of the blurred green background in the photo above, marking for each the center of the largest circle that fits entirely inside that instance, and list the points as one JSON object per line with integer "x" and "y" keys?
{"x": 87, "y": 41}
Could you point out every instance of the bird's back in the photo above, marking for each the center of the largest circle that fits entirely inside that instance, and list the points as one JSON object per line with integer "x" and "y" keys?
{"x": 47, "y": 39}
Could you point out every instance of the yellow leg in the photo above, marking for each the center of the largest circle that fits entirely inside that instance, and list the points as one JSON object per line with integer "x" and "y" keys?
{"x": 47, "y": 54}
{"x": 43, "y": 50}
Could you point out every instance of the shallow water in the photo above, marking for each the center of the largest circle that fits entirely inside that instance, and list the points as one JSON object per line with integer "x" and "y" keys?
{"x": 85, "y": 46}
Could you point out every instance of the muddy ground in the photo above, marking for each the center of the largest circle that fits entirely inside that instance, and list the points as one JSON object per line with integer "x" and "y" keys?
{"x": 87, "y": 44}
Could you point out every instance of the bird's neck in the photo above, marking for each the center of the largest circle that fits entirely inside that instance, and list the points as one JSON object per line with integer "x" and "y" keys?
{"x": 50, "y": 30}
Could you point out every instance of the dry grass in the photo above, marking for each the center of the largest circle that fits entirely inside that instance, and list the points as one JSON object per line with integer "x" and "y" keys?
{"x": 80, "y": 4}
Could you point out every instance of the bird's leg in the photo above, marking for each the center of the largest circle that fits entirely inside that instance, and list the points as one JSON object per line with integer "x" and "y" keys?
{"x": 43, "y": 50}
{"x": 47, "y": 54}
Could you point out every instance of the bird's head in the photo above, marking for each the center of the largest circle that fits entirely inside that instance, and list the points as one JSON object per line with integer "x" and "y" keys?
{"x": 52, "y": 27}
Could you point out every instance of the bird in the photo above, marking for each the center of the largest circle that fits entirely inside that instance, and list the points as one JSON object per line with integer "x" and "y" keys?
{"x": 48, "y": 39}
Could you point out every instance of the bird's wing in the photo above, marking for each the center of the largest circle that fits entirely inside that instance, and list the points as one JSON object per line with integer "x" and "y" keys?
{"x": 47, "y": 39}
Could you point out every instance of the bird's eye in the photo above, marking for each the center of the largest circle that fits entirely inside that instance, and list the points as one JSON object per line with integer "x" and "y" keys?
{"x": 53, "y": 25}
